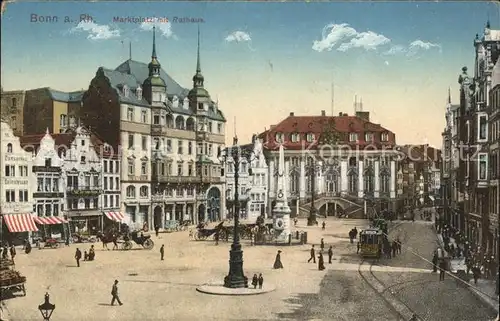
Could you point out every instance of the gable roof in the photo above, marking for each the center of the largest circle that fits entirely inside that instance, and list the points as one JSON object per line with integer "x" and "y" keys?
{"x": 62, "y": 141}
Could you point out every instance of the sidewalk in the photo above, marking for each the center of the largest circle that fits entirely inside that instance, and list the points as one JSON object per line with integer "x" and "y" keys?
{"x": 485, "y": 289}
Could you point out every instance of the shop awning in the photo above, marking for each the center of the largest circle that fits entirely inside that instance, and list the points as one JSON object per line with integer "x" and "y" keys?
{"x": 49, "y": 220}
{"x": 115, "y": 216}
{"x": 17, "y": 223}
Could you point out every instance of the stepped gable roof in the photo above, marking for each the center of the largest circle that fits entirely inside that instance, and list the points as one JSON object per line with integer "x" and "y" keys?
{"x": 62, "y": 141}
{"x": 315, "y": 124}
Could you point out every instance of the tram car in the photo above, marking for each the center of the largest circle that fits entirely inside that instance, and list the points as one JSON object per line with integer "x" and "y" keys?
{"x": 371, "y": 242}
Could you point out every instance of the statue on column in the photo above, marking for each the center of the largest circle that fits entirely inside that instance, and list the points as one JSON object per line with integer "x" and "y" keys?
{"x": 281, "y": 211}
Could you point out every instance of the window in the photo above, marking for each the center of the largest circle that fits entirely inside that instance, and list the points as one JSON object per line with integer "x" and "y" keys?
{"x": 190, "y": 148}
{"x": 179, "y": 169}
{"x": 14, "y": 102}
{"x": 368, "y": 182}
{"x": 82, "y": 160}
{"x": 179, "y": 192}
{"x": 117, "y": 200}
{"x": 483, "y": 127}
{"x": 144, "y": 116}
{"x": 199, "y": 149}
{"x": 9, "y": 148}
{"x": 144, "y": 140}
{"x": 138, "y": 92}
{"x": 10, "y": 170}
{"x": 131, "y": 167}
{"x": 106, "y": 201}
{"x": 230, "y": 167}
{"x": 180, "y": 146}
{"x": 105, "y": 165}
{"x": 23, "y": 196}
{"x": 219, "y": 128}
{"x": 210, "y": 129}
{"x": 384, "y": 137}
{"x": 294, "y": 137}
{"x": 105, "y": 183}
{"x": 368, "y": 137}
{"x": 130, "y": 114}
{"x": 130, "y": 191}
{"x": 310, "y": 137}
{"x": 169, "y": 169}
{"x": 111, "y": 167}
{"x": 130, "y": 141}
{"x": 143, "y": 192}
{"x": 144, "y": 168}
{"x": 126, "y": 91}
{"x": 10, "y": 196}
{"x": 353, "y": 137}
{"x": 190, "y": 170}
{"x": 353, "y": 182}
{"x": 280, "y": 138}
{"x": 200, "y": 106}
{"x": 62, "y": 120}
{"x": 483, "y": 166}
{"x": 169, "y": 145}
{"x": 156, "y": 120}
{"x": 210, "y": 149}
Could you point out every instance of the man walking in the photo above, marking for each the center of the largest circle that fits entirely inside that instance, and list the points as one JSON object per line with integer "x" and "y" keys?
{"x": 330, "y": 255}
{"x": 78, "y": 256}
{"x": 162, "y": 251}
{"x": 442, "y": 269}
{"x": 114, "y": 293}
{"x": 323, "y": 225}
{"x": 313, "y": 255}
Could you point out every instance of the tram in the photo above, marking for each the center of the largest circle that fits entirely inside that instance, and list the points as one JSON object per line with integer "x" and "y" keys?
{"x": 371, "y": 242}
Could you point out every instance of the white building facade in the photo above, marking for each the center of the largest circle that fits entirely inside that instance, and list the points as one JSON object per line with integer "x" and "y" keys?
{"x": 111, "y": 197}
{"x": 16, "y": 202}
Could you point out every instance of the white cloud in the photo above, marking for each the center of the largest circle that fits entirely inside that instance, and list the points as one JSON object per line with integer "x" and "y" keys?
{"x": 95, "y": 31}
{"x": 238, "y": 36}
{"x": 164, "y": 27}
{"x": 367, "y": 40}
{"x": 332, "y": 35}
{"x": 423, "y": 45}
{"x": 394, "y": 50}
{"x": 386, "y": 63}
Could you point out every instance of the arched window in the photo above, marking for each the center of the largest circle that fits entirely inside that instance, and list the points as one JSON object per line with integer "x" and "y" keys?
{"x": 169, "y": 121}
{"x": 368, "y": 181}
{"x": 130, "y": 191}
{"x": 143, "y": 192}
{"x": 384, "y": 183}
{"x": 352, "y": 182}
{"x": 190, "y": 124}
{"x": 179, "y": 123}
{"x": 9, "y": 147}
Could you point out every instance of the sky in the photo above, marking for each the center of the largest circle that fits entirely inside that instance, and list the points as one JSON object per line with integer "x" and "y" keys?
{"x": 263, "y": 60}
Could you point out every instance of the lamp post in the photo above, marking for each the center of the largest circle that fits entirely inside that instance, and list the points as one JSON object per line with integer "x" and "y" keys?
{"x": 46, "y": 308}
{"x": 235, "y": 278}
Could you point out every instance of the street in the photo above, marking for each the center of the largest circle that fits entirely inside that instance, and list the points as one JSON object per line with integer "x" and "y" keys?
{"x": 165, "y": 290}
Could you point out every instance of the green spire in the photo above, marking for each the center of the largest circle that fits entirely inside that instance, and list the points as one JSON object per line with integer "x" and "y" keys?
{"x": 153, "y": 55}
{"x": 198, "y": 66}
{"x": 198, "y": 78}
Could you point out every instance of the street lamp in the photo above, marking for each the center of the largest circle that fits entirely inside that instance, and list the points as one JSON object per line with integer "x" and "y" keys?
{"x": 46, "y": 308}
{"x": 236, "y": 277}
{"x": 312, "y": 170}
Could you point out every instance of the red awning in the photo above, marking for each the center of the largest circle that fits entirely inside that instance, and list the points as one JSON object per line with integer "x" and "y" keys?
{"x": 49, "y": 220}
{"x": 115, "y": 216}
{"x": 17, "y": 223}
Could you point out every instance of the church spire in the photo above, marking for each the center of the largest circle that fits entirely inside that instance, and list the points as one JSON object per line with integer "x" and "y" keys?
{"x": 153, "y": 55}
{"x": 198, "y": 66}
{"x": 198, "y": 77}
{"x": 449, "y": 95}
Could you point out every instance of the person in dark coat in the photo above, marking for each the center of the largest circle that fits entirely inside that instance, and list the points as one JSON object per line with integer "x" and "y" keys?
{"x": 114, "y": 293}
{"x": 12, "y": 252}
{"x": 322, "y": 245}
{"x": 442, "y": 270}
{"x": 261, "y": 280}
{"x": 321, "y": 262}
{"x": 255, "y": 281}
{"x": 91, "y": 253}
{"x": 313, "y": 255}
{"x": 5, "y": 252}
{"x": 277, "y": 261}
{"x": 85, "y": 256}
{"x": 434, "y": 262}
{"x": 78, "y": 256}
{"x": 394, "y": 248}
{"x": 476, "y": 273}
{"x": 355, "y": 232}
{"x": 162, "y": 251}
{"x": 351, "y": 236}
{"x": 216, "y": 238}
{"x": 330, "y": 255}
{"x": 323, "y": 225}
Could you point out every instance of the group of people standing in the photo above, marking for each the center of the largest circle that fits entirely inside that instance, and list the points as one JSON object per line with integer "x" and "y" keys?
{"x": 321, "y": 260}
{"x": 6, "y": 250}
{"x": 90, "y": 256}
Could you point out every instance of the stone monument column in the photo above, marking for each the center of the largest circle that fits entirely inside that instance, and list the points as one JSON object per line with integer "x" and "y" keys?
{"x": 281, "y": 211}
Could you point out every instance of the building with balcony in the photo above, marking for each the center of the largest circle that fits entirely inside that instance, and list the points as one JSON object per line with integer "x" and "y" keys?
{"x": 16, "y": 202}
{"x": 49, "y": 195}
{"x": 11, "y": 110}
{"x": 168, "y": 138}
{"x": 49, "y": 108}
{"x": 82, "y": 168}
{"x": 351, "y": 160}
{"x": 253, "y": 183}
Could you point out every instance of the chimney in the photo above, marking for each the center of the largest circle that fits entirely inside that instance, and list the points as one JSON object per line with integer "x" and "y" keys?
{"x": 340, "y": 114}
{"x": 345, "y": 114}
{"x": 363, "y": 115}
{"x": 292, "y": 114}
{"x": 323, "y": 113}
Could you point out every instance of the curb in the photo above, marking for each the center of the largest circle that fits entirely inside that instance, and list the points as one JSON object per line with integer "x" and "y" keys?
{"x": 477, "y": 294}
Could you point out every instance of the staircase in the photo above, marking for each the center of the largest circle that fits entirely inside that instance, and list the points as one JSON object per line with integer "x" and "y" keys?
{"x": 353, "y": 207}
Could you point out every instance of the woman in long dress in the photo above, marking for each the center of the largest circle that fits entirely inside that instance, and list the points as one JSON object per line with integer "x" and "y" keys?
{"x": 321, "y": 262}
{"x": 277, "y": 261}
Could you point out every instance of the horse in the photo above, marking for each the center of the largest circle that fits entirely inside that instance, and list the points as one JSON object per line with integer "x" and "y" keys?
{"x": 108, "y": 238}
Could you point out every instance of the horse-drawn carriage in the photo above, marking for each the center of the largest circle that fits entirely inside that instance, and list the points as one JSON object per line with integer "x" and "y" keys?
{"x": 202, "y": 233}
{"x": 144, "y": 240}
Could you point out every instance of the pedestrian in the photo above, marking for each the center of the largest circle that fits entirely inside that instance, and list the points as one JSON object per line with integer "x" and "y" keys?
{"x": 313, "y": 255}
{"x": 322, "y": 245}
{"x": 12, "y": 252}
{"x": 321, "y": 262}
{"x": 255, "y": 281}
{"x": 358, "y": 247}
{"x": 5, "y": 252}
{"x": 394, "y": 248}
{"x": 91, "y": 253}
{"x": 162, "y": 251}
{"x": 67, "y": 240}
{"x": 476, "y": 273}
{"x": 261, "y": 280}
{"x": 351, "y": 236}
{"x": 355, "y": 232}
{"x": 323, "y": 225}
{"x": 277, "y": 261}
{"x": 157, "y": 230}
{"x": 435, "y": 262}
{"x": 78, "y": 256}
{"x": 398, "y": 241}
{"x": 442, "y": 269}
{"x": 114, "y": 293}
{"x": 330, "y": 255}
{"x": 216, "y": 238}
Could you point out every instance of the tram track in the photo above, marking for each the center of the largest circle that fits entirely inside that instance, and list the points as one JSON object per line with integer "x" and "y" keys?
{"x": 399, "y": 308}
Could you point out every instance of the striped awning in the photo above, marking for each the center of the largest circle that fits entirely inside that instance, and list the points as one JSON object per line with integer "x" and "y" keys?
{"x": 49, "y": 220}
{"x": 17, "y": 223}
{"x": 115, "y": 216}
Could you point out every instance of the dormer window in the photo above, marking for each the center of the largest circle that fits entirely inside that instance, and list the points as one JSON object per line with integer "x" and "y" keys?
{"x": 368, "y": 137}
{"x": 310, "y": 137}
{"x": 280, "y": 137}
{"x": 82, "y": 160}
{"x": 138, "y": 92}
{"x": 200, "y": 106}
{"x": 175, "y": 101}
{"x": 9, "y": 148}
{"x": 384, "y": 137}
{"x": 126, "y": 91}
{"x": 353, "y": 137}
{"x": 185, "y": 103}
{"x": 294, "y": 137}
